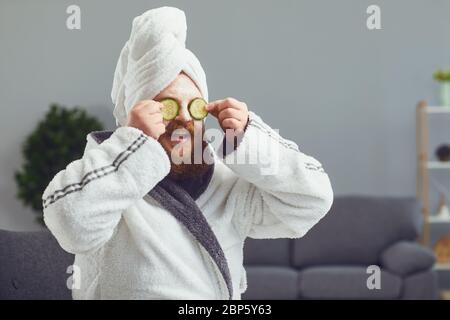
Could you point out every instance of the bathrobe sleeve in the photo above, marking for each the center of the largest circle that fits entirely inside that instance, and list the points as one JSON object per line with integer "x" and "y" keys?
{"x": 281, "y": 192}
{"x": 83, "y": 203}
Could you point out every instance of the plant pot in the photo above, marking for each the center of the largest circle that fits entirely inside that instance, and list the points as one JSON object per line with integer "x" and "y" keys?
{"x": 445, "y": 93}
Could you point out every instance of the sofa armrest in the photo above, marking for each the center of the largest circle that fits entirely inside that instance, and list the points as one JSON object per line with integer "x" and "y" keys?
{"x": 405, "y": 257}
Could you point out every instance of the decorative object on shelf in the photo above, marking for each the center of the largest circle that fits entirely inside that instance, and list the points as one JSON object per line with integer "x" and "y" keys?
{"x": 443, "y": 77}
{"x": 443, "y": 152}
{"x": 57, "y": 140}
{"x": 442, "y": 250}
{"x": 443, "y": 214}
{"x": 443, "y": 211}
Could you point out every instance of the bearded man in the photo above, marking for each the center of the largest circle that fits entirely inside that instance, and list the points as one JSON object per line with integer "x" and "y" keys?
{"x": 145, "y": 225}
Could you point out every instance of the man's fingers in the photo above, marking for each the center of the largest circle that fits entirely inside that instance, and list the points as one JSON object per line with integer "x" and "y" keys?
{"x": 155, "y": 106}
{"x": 217, "y": 106}
{"x": 212, "y": 107}
{"x": 152, "y": 112}
{"x": 157, "y": 118}
{"x": 230, "y": 123}
{"x": 142, "y": 103}
{"x": 229, "y": 113}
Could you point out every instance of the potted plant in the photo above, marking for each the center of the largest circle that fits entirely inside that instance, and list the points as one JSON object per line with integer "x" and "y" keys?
{"x": 443, "y": 77}
{"x": 57, "y": 140}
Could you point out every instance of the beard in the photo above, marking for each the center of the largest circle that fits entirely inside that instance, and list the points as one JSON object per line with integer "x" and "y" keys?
{"x": 184, "y": 164}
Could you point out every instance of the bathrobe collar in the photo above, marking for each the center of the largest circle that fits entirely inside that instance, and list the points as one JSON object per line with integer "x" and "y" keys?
{"x": 179, "y": 199}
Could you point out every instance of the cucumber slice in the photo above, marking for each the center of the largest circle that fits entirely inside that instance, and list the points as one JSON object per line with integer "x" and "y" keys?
{"x": 170, "y": 109}
{"x": 197, "y": 109}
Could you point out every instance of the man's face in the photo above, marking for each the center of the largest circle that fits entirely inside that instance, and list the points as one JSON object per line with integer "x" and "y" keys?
{"x": 179, "y": 144}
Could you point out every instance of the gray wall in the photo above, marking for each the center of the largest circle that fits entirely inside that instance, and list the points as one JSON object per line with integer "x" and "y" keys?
{"x": 346, "y": 95}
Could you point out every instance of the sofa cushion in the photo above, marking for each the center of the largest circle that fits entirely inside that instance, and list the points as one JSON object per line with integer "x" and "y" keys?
{"x": 404, "y": 258}
{"x": 421, "y": 286}
{"x": 33, "y": 266}
{"x": 357, "y": 230}
{"x": 271, "y": 283}
{"x": 343, "y": 282}
{"x": 267, "y": 252}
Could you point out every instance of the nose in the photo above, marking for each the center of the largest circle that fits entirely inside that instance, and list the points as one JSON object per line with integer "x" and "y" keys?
{"x": 183, "y": 114}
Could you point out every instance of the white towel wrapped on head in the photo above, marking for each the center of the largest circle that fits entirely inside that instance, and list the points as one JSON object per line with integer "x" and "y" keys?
{"x": 152, "y": 58}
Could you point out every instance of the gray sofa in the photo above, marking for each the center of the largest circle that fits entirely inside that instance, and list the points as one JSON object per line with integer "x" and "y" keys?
{"x": 33, "y": 266}
{"x": 329, "y": 262}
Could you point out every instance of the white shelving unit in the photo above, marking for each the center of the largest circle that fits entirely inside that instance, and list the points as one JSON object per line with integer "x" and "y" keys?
{"x": 437, "y": 109}
{"x": 436, "y": 165}
{"x": 434, "y": 219}
{"x": 424, "y": 165}
{"x": 442, "y": 266}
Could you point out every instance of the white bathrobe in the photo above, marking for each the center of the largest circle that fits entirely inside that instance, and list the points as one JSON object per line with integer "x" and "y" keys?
{"x": 128, "y": 246}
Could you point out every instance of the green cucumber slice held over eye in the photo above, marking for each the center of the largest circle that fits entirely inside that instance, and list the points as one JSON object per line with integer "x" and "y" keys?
{"x": 197, "y": 109}
{"x": 170, "y": 109}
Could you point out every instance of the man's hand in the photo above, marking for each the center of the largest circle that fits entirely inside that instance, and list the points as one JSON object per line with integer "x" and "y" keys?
{"x": 146, "y": 115}
{"x": 231, "y": 113}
